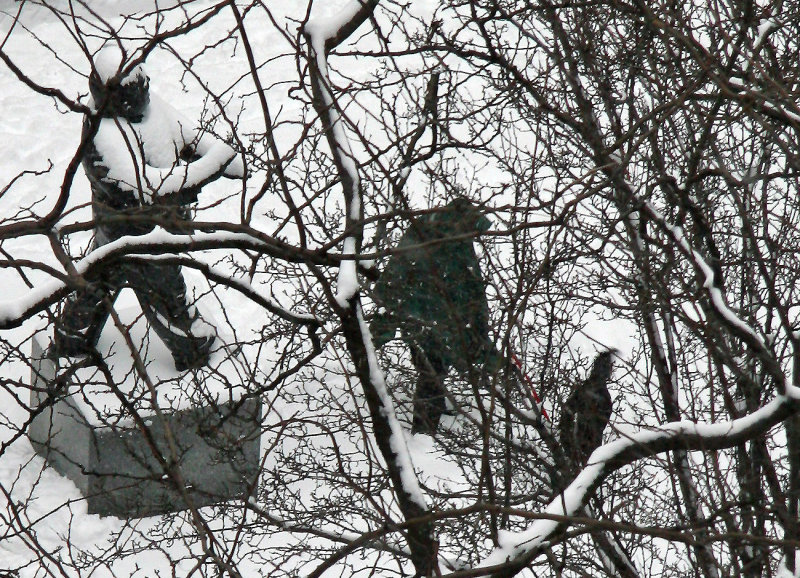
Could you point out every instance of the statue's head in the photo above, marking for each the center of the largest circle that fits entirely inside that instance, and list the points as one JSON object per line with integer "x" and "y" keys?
{"x": 466, "y": 217}
{"x": 119, "y": 96}
{"x": 603, "y": 365}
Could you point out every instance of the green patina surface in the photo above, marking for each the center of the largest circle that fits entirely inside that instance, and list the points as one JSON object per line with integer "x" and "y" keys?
{"x": 432, "y": 289}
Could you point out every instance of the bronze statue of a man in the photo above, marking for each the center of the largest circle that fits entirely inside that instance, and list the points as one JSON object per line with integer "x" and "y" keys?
{"x": 432, "y": 290}
{"x": 146, "y": 165}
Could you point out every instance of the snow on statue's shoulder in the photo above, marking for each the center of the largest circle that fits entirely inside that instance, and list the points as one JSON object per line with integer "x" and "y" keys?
{"x": 118, "y": 147}
{"x": 120, "y": 144}
{"x": 164, "y": 133}
{"x": 171, "y": 122}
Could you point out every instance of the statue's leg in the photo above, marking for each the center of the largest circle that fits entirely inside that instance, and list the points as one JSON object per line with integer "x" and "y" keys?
{"x": 161, "y": 291}
{"x": 429, "y": 397}
{"x": 78, "y": 328}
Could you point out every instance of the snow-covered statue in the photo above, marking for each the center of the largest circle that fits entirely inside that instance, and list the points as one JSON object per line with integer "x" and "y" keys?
{"x": 587, "y": 411}
{"x": 433, "y": 292}
{"x": 146, "y": 165}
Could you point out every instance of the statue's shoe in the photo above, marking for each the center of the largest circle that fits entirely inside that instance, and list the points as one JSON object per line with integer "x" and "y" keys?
{"x": 68, "y": 345}
{"x": 196, "y": 355}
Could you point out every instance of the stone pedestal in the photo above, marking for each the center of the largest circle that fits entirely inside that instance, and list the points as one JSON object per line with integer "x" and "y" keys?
{"x": 205, "y": 422}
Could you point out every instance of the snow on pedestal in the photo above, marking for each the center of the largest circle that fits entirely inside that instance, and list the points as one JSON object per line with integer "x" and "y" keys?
{"x": 205, "y": 420}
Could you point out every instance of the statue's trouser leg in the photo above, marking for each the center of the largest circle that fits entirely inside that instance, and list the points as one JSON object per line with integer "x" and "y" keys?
{"x": 78, "y": 328}
{"x": 429, "y": 398}
{"x": 161, "y": 291}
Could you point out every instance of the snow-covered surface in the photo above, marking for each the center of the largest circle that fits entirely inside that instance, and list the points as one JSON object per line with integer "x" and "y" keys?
{"x": 143, "y": 157}
{"x": 34, "y": 130}
{"x": 227, "y": 377}
{"x": 109, "y": 61}
{"x": 320, "y": 30}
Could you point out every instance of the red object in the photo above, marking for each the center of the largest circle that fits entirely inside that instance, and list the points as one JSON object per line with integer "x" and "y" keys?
{"x": 518, "y": 364}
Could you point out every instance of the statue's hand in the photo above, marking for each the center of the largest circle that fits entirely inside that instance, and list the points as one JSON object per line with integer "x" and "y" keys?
{"x": 383, "y": 329}
{"x": 188, "y": 196}
{"x": 235, "y": 169}
{"x": 181, "y": 198}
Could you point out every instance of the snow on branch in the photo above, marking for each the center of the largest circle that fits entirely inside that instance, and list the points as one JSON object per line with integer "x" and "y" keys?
{"x": 55, "y": 93}
{"x": 323, "y": 35}
{"x": 518, "y": 548}
{"x": 374, "y": 539}
{"x": 716, "y": 296}
{"x": 397, "y": 440}
{"x": 328, "y": 33}
{"x": 243, "y": 286}
{"x": 717, "y": 299}
{"x": 159, "y": 241}
{"x": 767, "y": 27}
{"x": 141, "y": 157}
{"x": 763, "y": 101}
